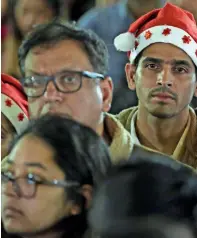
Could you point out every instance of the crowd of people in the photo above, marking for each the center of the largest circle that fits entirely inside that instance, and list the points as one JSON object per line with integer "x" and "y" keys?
{"x": 99, "y": 119}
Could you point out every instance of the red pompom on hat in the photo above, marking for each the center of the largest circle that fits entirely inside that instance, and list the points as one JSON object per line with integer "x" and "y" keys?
{"x": 169, "y": 24}
{"x": 13, "y": 102}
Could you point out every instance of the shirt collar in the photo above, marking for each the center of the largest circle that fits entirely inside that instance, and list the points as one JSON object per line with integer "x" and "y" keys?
{"x": 180, "y": 146}
{"x": 133, "y": 131}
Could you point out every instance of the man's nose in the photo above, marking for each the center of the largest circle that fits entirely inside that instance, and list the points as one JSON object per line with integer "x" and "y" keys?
{"x": 52, "y": 93}
{"x": 165, "y": 78}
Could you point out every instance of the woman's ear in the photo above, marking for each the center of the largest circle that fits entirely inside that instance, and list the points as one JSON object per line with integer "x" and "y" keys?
{"x": 85, "y": 197}
{"x": 130, "y": 71}
{"x": 87, "y": 192}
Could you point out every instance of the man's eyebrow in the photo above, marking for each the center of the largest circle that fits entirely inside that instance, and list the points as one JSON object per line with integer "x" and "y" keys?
{"x": 152, "y": 59}
{"x": 36, "y": 165}
{"x": 181, "y": 62}
{"x": 172, "y": 62}
{"x": 33, "y": 72}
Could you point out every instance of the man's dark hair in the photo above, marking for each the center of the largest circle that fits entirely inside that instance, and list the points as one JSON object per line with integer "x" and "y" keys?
{"x": 56, "y": 5}
{"x": 144, "y": 188}
{"x": 79, "y": 151}
{"x": 54, "y": 32}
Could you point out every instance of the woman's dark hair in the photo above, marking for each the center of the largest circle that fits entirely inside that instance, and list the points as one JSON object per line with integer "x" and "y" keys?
{"x": 149, "y": 226}
{"x": 56, "y": 5}
{"x": 79, "y": 151}
{"x": 145, "y": 188}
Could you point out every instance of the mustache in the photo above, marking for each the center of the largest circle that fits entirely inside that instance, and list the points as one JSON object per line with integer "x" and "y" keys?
{"x": 162, "y": 89}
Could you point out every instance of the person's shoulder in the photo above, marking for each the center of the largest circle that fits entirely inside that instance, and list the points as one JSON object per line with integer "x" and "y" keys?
{"x": 97, "y": 14}
{"x": 125, "y": 117}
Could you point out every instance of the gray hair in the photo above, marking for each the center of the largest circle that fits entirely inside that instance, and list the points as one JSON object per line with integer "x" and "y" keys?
{"x": 56, "y": 31}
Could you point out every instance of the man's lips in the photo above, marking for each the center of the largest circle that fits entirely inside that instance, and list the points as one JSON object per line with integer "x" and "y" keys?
{"x": 163, "y": 96}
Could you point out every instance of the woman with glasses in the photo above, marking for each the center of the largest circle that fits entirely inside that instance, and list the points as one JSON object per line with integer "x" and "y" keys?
{"x": 48, "y": 179}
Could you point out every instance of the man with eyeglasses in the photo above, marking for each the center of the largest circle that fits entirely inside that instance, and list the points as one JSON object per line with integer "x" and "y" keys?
{"x": 64, "y": 72}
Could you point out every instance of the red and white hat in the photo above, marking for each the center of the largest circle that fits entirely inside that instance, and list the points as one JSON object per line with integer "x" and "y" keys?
{"x": 169, "y": 24}
{"x": 13, "y": 102}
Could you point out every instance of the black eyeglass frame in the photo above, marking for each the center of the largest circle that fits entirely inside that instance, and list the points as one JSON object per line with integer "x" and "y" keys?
{"x": 86, "y": 74}
{"x": 30, "y": 177}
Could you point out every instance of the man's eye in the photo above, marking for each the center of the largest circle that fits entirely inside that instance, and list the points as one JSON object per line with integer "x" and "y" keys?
{"x": 69, "y": 79}
{"x": 7, "y": 175}
{"x": 180, "y": 70}
{"x": 152, "y": 66}
{"x": 34, "y": 82}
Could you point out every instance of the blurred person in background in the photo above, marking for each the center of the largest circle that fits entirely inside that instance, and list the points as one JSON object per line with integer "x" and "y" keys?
{"x": 141, "y": 188}
{"x": 49, "y": 178}
{"x": 105, "y": 3}
{"x": 64, "y": 71}
{"x": 23, "y": 16}
{"x": 4, "y": 23}
{"x": 190, "y": 6}
{"x": 145, "y": 227}
{"x": 109, "y": 22}
{"x": 162, "y": 49}
{"x": 14, "y": 111}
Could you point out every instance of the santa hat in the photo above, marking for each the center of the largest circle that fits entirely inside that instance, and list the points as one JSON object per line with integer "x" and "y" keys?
{"x": 13, "y": 102}
{"x": 169, "y": 24}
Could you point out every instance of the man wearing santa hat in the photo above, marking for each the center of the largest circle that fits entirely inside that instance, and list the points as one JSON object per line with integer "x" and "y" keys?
{"x": 190, "y": 6}
{"x": 14, "y": 111}
{"x": 162, "y": 49}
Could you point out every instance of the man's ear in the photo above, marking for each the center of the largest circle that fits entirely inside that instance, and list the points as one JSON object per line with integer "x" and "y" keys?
{"x": 107, "y": 90}
{"x": 130, "y": 71}
{"x": 195, "y": 92}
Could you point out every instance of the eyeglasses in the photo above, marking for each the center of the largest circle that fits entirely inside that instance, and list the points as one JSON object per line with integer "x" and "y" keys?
{"x": 26, "y": 186}
{"x": 65, "y": 82}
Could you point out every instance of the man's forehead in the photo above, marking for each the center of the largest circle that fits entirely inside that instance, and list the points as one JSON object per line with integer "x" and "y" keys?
{"x": 51, "y": 46}
{"x": 57, "y": 58}
{"x": 165, "y": 51}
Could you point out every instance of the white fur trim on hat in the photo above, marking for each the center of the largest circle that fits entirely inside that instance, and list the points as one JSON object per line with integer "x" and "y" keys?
{"x": 13, "y": 113}
{"x": 125, "y": 42}
{"x": 164, "y": 34}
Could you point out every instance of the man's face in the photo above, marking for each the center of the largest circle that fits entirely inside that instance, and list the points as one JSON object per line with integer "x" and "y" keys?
{"x": 165, "y": 80}
{"x": 188, "y": 5}
{"x": 48, "y": 204}
{"x": 87, "y": 104}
